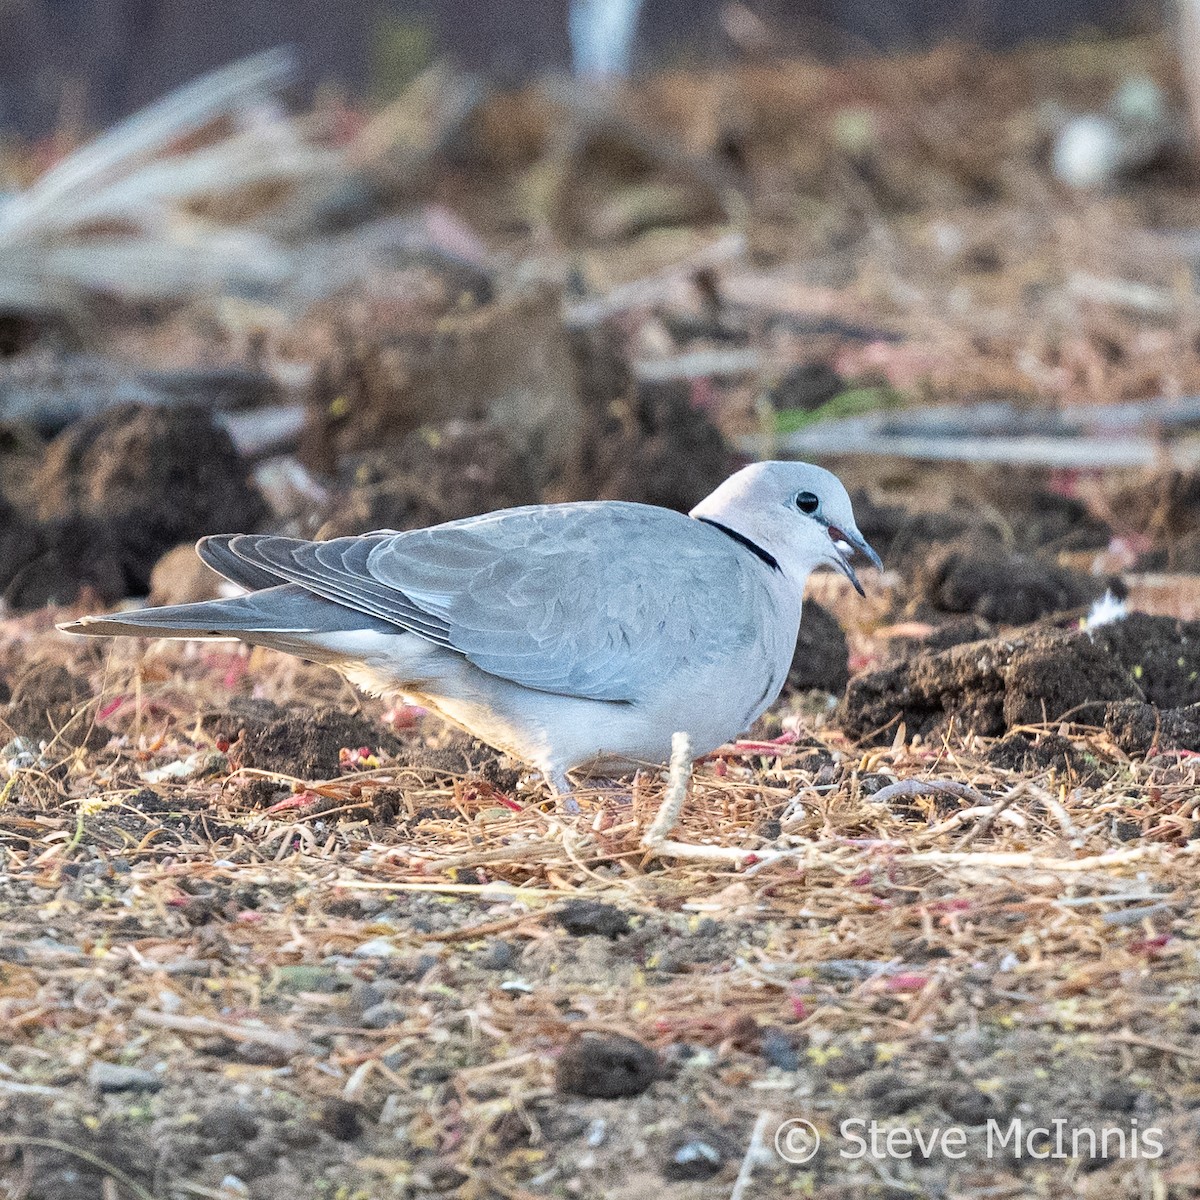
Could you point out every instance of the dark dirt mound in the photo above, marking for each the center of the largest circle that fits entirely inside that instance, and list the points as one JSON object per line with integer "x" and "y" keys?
{"x": 657, "y": 450}
{"x": 954, "y": 632}
{"x": 305, "y": 743}
{"x": 1139, "y": 728}
{"x": 1181, "y": 554}
{"x": 583, "y": 917}
{"x": 114, "y": 492}
{"x": 458, "y": 754}
{"x": 981, "y": 577}
{"x": 822, "y": 659}
{"x": 1162, "y": 655}
{"x": 58, "y": 560}
{"x": 506, "y": 359}
{"x": 1038, "y": 518}
{"x": 18, "y": 540}
{"x": 897, "y": 532}
{"x": 1059, "y": 522}
{"x": 23, "y": 541}
{"x": 159, "y": 476}
{"x": 806, "y": 387}
{"x": 47, "y": 699}
{"x": 1163, "y": 506}
{"x": 67, "y": 559}
{"x": 641, "y": 440}
{"x": 606, "y": 1068}
{"x": 1143, "y": 729}
{"x": 1031, "y": 753}
{"x": 437, "y": 473}
{"x": 1027, "y": 520}
{"x": 990, "y": 687}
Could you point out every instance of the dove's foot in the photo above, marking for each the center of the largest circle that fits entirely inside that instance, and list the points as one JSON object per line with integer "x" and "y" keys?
{"x": 560, "y": 788}
{"x": 602, "y": 793}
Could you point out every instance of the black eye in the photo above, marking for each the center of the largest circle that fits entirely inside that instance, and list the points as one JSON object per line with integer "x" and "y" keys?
{"x": 807, "y": 503}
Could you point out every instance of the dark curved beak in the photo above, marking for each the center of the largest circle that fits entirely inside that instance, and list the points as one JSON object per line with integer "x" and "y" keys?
{"x": 847, "y": 545}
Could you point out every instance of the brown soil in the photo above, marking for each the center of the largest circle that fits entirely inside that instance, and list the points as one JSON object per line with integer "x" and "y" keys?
{"x": 1165, "y": 505}
{"x": 822, "y": 659}
{"x": 1016, "y": 516}
{"x": 303, "y": 742}
{"x": 620, "y": 994}
{"x": 641, "y": 441}
{"x": 900, "y": 533}
{"x": 437, "y": 473}
{"x": 407, "y": 366}
{"x": 1141, "y": 729}
{"x": 605, "y": 1068}
{"x": 1178, "y": 554}
{"x": 1030, "y": 753}
{"x": 116, "y": 491}
{"x": 1030, "y": 678}
{"x": 954, "y": 631}
{"x": 48, "y": 702}
{"x": 982, "y": 578}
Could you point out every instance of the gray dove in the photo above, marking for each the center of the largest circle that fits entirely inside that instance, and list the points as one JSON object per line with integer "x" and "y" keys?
{"x": 571, "y": 636}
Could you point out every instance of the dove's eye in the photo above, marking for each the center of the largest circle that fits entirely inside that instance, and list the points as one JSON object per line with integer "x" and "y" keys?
{"x": 807, "y": 503}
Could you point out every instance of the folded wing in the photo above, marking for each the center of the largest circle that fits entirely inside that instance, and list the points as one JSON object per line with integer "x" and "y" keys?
{"x": 590, "y": 600}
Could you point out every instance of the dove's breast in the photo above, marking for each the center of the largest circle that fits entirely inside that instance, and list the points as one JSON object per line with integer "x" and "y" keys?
{"x": 714, "y": 695}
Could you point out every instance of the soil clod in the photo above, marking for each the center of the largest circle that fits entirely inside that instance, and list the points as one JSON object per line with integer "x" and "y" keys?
{"x": 980, "y": 577}
{"x": 822, "y": 659}
{"x": 582, "y": 917}
{"x": 305, "y": 742}
{"x": 1037, "y": 676}
{"x": 606, "y": 1067}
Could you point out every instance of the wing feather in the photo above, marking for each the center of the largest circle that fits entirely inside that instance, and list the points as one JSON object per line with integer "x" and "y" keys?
{"x": 590, "y": 600}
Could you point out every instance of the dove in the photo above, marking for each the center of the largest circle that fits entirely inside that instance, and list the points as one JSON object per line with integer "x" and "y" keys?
{"x": 575, "y": 637}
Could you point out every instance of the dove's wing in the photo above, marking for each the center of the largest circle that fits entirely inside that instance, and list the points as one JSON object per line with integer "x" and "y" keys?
{"x": 595, "y": 600}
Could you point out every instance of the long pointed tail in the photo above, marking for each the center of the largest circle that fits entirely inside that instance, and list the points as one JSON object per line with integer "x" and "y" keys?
{"x": 286, "y": 610}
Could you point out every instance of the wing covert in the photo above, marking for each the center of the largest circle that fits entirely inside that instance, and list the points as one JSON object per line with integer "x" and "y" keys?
{"x": 590, "y": 600}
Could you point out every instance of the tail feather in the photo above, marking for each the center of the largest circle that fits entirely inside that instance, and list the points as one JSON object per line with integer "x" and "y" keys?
{"x": 286, "y": 609}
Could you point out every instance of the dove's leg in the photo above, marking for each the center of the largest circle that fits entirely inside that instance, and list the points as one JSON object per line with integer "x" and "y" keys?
{"x": 560, "y": 786}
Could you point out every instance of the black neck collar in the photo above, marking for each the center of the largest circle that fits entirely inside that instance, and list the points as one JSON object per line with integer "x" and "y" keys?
{"x": 754, "y": 548}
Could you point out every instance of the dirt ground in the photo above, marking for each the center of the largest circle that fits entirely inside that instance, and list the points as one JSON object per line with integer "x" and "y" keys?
{"x": 262, "y": 937}
{"x": 232, "y": 966}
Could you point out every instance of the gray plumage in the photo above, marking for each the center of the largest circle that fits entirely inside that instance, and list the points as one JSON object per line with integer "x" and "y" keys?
{"x": 566, "y": 634}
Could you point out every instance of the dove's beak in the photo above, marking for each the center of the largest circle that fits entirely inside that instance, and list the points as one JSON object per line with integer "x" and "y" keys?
{"x": 846, "y": 545}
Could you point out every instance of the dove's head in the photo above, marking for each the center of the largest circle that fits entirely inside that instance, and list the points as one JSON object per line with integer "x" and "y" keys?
{"x": 796, "y": 514}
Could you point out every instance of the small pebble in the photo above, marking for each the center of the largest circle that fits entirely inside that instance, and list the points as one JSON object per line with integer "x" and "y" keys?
{"x": 227, "y": 1126}
{"x": 364, "y": 995}
{"x": 380, "y": 1016}
{"x": 497, "y": 956}
{"x": 379, "y": 947}
{"x": 779, "y": 1050}
{"x": 964, "y": 1104}
{"x": 582, "y": 917}
{"x": 340, "y": 1119}
{"x": 693, "y": 1155}
{"x": 606, "y": 1067}
{"x": 111, "y": 1077}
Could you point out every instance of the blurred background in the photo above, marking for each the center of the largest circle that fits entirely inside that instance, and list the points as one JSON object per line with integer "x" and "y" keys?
{"x": 105, "y": 58}
{"x": 326, "y": 269}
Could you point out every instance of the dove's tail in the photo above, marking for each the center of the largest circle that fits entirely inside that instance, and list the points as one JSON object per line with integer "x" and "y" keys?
{"x": 272, "y": 613}
{"x": 285, "y": 617}
{"x": 255, "y": 613}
